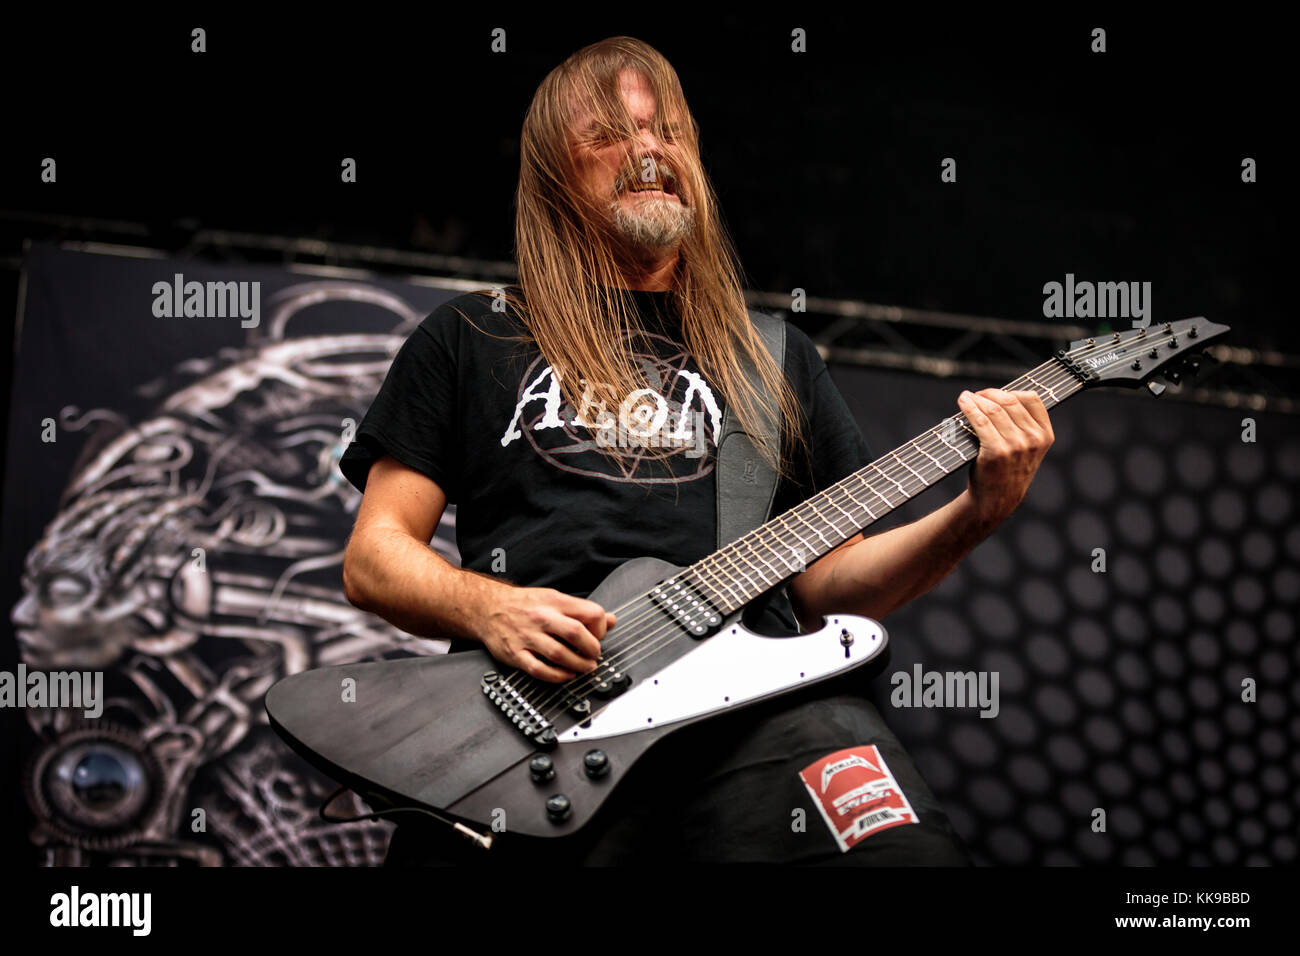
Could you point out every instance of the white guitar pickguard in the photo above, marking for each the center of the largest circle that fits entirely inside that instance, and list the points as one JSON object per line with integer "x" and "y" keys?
{"x": 730, "y": 668}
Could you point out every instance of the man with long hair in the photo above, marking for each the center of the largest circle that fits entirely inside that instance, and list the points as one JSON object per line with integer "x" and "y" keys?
{"x": 573, "y": 419}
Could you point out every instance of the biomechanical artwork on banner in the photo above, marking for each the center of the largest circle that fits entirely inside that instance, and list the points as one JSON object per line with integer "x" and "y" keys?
{"x": 194, "y": 558}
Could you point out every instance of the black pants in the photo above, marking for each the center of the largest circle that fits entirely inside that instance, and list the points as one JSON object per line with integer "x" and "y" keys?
{"x": 726, "y": 791}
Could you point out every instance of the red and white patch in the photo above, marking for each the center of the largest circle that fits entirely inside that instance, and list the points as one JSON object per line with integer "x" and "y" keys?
{"x": 857, "y": 794}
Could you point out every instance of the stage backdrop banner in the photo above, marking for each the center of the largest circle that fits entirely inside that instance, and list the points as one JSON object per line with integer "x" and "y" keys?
{"x": 175, "y": 520}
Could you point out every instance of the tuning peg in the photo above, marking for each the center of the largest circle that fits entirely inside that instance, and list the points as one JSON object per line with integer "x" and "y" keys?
{"x": 1157, "y": 389}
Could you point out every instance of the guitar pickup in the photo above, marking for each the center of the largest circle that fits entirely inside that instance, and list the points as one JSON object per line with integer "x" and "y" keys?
{"x": 692, "y": 613}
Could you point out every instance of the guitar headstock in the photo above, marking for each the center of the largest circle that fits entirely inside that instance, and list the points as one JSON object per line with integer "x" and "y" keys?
{"x": 1173, "y": 351}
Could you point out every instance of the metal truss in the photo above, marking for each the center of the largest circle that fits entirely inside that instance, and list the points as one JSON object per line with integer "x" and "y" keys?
{"x": 847, "y": 332}
{"x": 951, "y": 345}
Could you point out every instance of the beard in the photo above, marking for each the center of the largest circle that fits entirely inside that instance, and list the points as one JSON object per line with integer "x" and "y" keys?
{"x": 653, "y": 224}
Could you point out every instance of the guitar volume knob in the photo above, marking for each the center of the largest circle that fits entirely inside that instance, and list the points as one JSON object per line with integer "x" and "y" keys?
{"x": 595, "y": 763}
{"x": 558, "y": 808}
{"x": 542, "y": 768}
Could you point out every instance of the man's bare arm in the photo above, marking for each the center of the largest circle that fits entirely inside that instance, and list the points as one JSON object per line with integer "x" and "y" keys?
{"x": 390, "y": 570}
{"x": 876, "y": 576}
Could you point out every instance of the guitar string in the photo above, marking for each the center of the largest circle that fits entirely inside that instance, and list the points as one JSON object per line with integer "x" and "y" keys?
{"x": 706, "y": 572}
{"x": 617, "y": 658}
{"x": 710, "y": 571}
{"x": 713, "y": 563}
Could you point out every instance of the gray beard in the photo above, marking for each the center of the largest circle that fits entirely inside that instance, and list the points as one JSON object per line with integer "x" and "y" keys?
{"x": 654, "y": 223}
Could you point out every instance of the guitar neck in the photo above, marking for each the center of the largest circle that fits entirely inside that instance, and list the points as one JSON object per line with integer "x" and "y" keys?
{"x": 773, "y": 553}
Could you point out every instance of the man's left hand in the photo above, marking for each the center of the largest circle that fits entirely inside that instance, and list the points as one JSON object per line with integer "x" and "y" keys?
{"x": 1014, "y": 434}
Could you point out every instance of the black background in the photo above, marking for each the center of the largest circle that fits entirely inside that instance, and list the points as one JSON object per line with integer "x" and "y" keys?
{"x": 1116, "y": 166}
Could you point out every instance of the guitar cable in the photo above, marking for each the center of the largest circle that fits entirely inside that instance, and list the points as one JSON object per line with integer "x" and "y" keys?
{"x": 481, "y": 840}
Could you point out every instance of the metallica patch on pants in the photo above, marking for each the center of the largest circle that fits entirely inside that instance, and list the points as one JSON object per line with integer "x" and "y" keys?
{"x": 856, "y": 794}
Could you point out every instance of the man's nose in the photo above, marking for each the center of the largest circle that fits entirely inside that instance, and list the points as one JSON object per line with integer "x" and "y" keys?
{"x": 647, "y": 142}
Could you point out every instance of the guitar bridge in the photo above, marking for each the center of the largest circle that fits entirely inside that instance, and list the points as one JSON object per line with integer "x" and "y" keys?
{"x": 518, "y": 710}
{"x": 692, "y": 613}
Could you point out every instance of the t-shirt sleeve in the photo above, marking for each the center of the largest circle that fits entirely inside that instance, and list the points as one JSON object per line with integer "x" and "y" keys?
{"x": 836, "y": 447}
{"x": 413, "y": 417}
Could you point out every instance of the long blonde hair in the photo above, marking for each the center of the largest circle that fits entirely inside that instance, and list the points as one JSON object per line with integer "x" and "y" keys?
{"x": 569, "y": 265}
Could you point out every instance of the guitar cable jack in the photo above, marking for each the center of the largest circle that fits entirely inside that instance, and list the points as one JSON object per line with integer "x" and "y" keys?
{"x": 484, "y": 840}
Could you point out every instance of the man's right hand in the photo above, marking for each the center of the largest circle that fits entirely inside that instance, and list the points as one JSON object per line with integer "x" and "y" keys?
{"x": 389, "y": 569}
{"x": 524, "y": 625}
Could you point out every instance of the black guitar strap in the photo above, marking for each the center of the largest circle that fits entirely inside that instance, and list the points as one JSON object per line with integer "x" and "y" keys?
{"x": 746, "y": 483}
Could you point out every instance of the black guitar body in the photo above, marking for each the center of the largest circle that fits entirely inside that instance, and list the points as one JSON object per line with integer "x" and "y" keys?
{"x": 422, "y": 732}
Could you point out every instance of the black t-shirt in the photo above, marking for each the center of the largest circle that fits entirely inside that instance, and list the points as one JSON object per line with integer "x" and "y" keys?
{"x": 538, "y": 502}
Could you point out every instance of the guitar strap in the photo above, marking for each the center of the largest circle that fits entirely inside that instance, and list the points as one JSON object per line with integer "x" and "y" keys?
{"x": 746, "y": 482}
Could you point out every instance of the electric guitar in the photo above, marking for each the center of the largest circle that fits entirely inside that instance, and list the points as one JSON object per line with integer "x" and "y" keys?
{"x": 469, "y": 740}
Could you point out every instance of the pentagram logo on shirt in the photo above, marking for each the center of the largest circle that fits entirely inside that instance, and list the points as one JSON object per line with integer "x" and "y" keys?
{"x": 678, "y": 418}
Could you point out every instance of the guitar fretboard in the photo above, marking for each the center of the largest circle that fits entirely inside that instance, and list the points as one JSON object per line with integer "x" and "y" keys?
{"x": 774, "y": 552}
